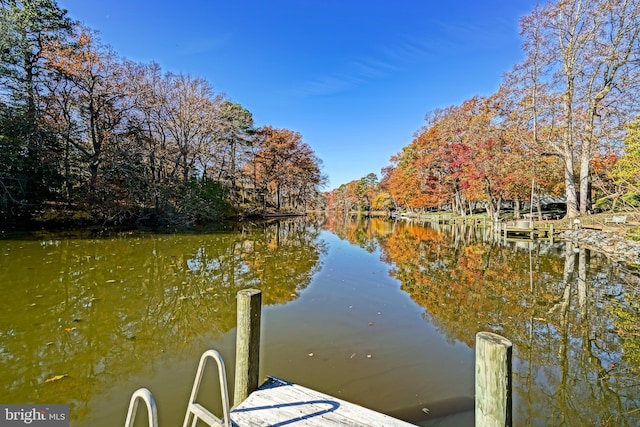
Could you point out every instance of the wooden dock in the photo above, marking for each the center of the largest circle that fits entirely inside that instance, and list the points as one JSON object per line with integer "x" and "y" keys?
{"x": 526, "y": 230}
{"x": 278, "y": 403}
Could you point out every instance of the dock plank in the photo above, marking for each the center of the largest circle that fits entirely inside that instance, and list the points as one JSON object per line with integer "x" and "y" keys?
{"x": 281, "y": 403}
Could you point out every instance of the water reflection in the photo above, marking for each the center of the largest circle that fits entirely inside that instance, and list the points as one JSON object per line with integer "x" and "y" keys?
{"x": 73, "y": 309}
{"x": 364, "y": 232}
{"x": 99, "y": 309}
{"x": 572, "y": 316}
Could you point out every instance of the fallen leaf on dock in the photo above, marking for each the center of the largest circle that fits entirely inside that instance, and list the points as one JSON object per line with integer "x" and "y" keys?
{"x": 56, "y": 378}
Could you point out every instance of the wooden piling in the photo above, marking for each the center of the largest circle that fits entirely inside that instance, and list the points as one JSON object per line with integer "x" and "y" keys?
{"x": 493, "y": 380}
{"x": 247, "y": 344}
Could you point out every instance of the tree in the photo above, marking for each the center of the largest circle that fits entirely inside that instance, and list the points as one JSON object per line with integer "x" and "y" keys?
{"x": 189, "y": 111}
{"x": 613, "y": 67}
{"x": 578, "y": 52}
{"x": 367, "y": 187}
{"x": 398, "y": 178}
{"x": 345, "y": 197}
{"x": 234, "y": 128}
{"x": 284, "y": 167}
{"x": 125, "y": 141}
{"x": 27, "y": 30}
{"x": 417, "y": 176}
{"x": 465, "y": 156}
{"x": 148, "y": 127}
{"x": 626, "y": 172}
{"x": 92, "y": 102}
{"x": 382, "y": 201}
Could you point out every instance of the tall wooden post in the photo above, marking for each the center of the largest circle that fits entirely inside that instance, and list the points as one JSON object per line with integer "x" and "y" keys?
{"x": 247, "y": 344}
{"x": 493, "y": 380}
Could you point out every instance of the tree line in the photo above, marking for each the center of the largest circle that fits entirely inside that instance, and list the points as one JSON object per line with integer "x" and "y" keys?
{"x": 87, "y": 135}
{"x": 564, "y": 121}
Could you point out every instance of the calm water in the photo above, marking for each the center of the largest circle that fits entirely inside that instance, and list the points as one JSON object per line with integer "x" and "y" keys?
{"x": 379, "y": 313}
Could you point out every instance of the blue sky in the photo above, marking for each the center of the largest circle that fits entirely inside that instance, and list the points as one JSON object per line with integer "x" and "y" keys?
{"x": 355, "y": 78}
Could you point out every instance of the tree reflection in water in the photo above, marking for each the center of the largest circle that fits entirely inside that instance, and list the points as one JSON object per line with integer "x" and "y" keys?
{"x": 109, "y": 310}
{"x": 571, "y": 314}
{"x": 80, "y": 306}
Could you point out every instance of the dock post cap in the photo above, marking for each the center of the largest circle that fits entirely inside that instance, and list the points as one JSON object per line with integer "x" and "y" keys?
{"x": 249, "y": 291}
{"x": 493, "y": 338}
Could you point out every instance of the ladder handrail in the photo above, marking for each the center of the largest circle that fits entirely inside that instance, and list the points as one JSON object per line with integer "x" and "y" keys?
{"x": 198, "y": 411}
{"x": 152, "y": 413}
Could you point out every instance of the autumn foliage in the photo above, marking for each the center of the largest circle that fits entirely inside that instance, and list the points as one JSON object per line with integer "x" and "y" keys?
{"x": 283, "y": 168}
{"x": 567, "y": 106}
{"x": 465, "y": 158}
{"x": 87, "y": 135}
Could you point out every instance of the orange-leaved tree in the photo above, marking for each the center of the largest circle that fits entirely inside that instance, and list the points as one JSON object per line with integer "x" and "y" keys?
{"x": 283, "y": 169}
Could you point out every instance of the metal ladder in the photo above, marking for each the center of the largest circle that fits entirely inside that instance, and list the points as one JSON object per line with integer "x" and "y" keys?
{"x": 198, "y": 411}
{"x": 146, "y": 396}
{"x": 195, "y": 411}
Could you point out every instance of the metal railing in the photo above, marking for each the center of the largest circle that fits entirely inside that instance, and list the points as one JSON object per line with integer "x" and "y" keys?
{"x": 195, "y": 411}
{"x": 152, "y": 413}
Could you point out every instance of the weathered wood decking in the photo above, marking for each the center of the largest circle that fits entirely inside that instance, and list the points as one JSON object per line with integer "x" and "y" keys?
{"x": 279, "y": 403}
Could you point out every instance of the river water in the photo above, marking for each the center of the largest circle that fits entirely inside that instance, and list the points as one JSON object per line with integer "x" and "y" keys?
{"x": 383, "y": 314}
